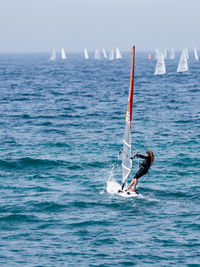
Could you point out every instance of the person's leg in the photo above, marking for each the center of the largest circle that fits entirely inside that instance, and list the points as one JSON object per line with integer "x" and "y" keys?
{"x": 130, "y": 185}
{"x": 135, "y": 184}
{"x": 139, "y": 174}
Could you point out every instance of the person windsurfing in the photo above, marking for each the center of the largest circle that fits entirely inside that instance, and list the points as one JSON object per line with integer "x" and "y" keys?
{"x": 144, "y": 167}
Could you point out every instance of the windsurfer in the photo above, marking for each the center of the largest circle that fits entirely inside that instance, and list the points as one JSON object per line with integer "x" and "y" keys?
{"x": 144, "y": 167}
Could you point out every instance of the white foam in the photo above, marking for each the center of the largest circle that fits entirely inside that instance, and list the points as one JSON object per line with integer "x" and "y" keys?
{"x": 113, "y": 186}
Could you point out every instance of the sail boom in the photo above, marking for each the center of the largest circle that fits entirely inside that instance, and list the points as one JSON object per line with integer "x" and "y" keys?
{"x": 126, "y": 143}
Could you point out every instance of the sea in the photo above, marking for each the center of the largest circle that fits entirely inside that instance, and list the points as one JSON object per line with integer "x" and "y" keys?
{"x": 61, "y": 129}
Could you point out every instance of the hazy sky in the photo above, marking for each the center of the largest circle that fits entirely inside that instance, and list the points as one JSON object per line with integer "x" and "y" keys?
{"x": 41, "y": 25}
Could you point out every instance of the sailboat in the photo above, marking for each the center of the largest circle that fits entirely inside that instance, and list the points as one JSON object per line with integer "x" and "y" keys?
{"x": 157, "y": 53}
{"x": 126, "y": 151}
{"x": 111, "y": 56}
{"x": 63, "y": 56}
{"x": 186, "y": 53}
{"x": 118, "y": 54}
{"x": 183, "y": 65}
{"x": 97, "y": 54}
{"x": 86, "y": 54}
{"x": 53, "y": 56}
{"x": 160, "y": 65}
{"x": 165, "y": 53}
{"x": 104, "y": 53}
{"x": 195, "y": 54}
{"x": 172, "y": 54}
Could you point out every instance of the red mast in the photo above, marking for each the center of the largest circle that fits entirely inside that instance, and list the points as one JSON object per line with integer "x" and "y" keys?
{"x": 130, "y": 97}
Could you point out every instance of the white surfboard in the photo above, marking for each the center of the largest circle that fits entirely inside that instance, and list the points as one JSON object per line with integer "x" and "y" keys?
{"x": 128, "y": 193}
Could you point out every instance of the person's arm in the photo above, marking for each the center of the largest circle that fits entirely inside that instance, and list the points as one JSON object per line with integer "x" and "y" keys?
{"x": 139, "y": 155}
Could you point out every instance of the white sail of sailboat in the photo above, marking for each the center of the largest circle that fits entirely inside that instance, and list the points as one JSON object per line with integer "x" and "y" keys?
{"x": 157, "y": 53}
{"x": 111, "y": 56}
{"x": 118, "y": 54}
{"x": 165, "y": 53}
{"x": 126, "y": 152}
{"x": 186, "y": 53}
{"x": 172, "y": 54}
{"x": 63, "y": 55}
{"x": 160, "y": 65}
{"x": 97, "y": 54}
{"x": 86, "y": 54}
{"x": 183, "y": 65}
{"x": 53, "y": 56}
{"x": 104, "y": 53}
{"x": 195, "y": 54}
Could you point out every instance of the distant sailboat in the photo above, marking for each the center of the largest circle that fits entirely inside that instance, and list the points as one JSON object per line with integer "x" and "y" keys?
{"x": 186, "y": 53}
{"x": 172, "y": 54}
{"x": 160, "y": 65}
{"x": 165, "y": 53}
{"x": 53, "y": 56}
{"x": 195, "y": 54}
{"x": 86, "y": 54}
{"x": 97, "y": 54}
{"x": 183, "y": 65}
{"x": 118, "y": 54}
{"x": 63, "y": 56}
{"x": 156, "y": 53}
{"x": 104, "y": 53}
{"x": 111, "y": 56}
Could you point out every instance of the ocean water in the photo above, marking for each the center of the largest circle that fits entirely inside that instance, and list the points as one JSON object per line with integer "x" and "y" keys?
{"x": 62, "y": 126}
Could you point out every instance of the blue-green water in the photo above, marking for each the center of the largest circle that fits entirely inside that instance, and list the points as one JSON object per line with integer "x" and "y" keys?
{"x": 62, "y": 126}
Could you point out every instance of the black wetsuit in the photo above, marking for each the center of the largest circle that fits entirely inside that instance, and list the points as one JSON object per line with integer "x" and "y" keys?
{"x": 144, "y": 167}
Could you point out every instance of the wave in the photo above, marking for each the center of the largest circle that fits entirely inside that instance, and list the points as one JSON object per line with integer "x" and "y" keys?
{"x": 18, "y": 217}
{"x": 49, "y": 206}
{"x": 30, "y": 162}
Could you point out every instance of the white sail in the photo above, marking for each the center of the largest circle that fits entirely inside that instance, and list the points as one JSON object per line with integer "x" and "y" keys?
{"x": 86, "y": 54}
{"x": 111, "y": 56}
{"x": 195, "y": 54}
{"x": 97, "y": 54}
{"x": 104, "y": 53}
{"x": 63, "y": 56}
{"x": 118, "y": 54}
{"x": 53, "y": 56}
{"x": 126, "y": 162}
{"x": 183, "y": 65}
{"x": 157, "y": 53}
{"x": 186, "y": 53}
{"x": 165, "y": 53}
{"x": 160, "y": 65}
{"x": 172, "y": 54}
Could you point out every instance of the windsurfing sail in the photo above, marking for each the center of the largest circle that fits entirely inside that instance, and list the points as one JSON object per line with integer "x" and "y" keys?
{"x": 183, "y": 65}
{"x": 118, "y": 54}
{"x": 126, "y": 152}
{"x": 160, "y": 65}
{"x": 86, "y": 54}
{"x": 63, "y": 56}
{"x": 195, "y": 54}
{"x": 53, "y": 56}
